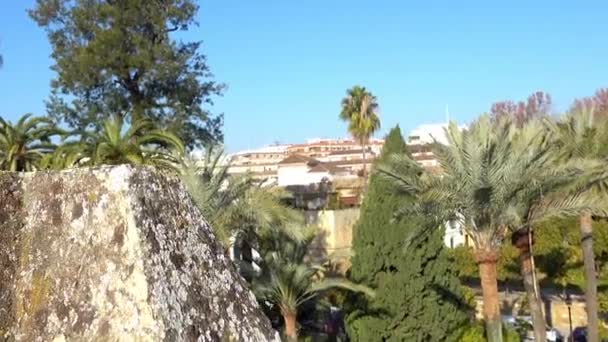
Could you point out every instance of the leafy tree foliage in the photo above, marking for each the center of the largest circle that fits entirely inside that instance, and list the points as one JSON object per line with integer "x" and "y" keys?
{"x": 24, "y": 144}
{"x": 418, "y": 298}
{"x": 603, "y": 304}
{"x": 376, "y": 238}
{"x": 475, "y": 333}
{"x": 465, "y": 266}
{"x": 236, "y": 205}
{"x": 119, "y": 58}
{"x": 139, "y": 144}
{"x": 420, "y": 301}
{"x": 289, "y": 278}
{"x": 598, "y": 103}
{"x": 582, "y": 134}
{"x": 559, "y": 256}
{"x": 495, "y": 177}
{"x": 538, "y": 104}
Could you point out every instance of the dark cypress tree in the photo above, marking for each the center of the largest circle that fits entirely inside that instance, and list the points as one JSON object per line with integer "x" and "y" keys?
{"x": 418, "y": 298}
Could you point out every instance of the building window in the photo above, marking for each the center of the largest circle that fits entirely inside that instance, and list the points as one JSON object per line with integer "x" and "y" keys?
{"x": 452, "y": 242}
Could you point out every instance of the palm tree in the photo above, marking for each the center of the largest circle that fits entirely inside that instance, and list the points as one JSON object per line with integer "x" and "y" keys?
{"x": 65, "y": 156}
{"x": 24, "y": 144}
{"x": 582, "y": 134}
{"x": 235, "y": 205}
{"x": 139, "y": 144}
{"x": 490, "y": 177}
{"x": 553, "y": 191}
{"x": 288, "y": 280}
{"x": 360, "y": 110}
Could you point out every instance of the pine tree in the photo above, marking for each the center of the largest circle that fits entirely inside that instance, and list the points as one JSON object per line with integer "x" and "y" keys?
{"x": 124, "y": 58}
{"x": 418, "y": 298}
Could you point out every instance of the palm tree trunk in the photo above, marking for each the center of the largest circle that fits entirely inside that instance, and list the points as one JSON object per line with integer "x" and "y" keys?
{"x": 586, "y": 226}
{"x": 487, "y": 259}
{"x": 522, "y": 239}
{"x": 364, "y": 162}
{"x": 137, "y": 112}
{"x": 290, "y": 319}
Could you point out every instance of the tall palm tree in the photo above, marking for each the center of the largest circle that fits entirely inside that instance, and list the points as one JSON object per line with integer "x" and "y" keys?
{"x": 141, "y": 143}
{"x": 288, "y": 279}
{"x": 24, "y": 144}
{"x": 488, "y": 171}
{"x": 582, "y": 134}
{"x": 553, "y": 191}
{"x": 360, "y": 110}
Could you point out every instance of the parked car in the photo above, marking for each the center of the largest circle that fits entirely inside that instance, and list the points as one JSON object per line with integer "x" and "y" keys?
{"x": 523, "y": 325}
{"x": 554, "y": 335}
{"x": 579, "y": 334}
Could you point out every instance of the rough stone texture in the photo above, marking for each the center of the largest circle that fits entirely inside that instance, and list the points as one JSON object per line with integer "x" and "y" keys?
{"x": 115, "y": 254}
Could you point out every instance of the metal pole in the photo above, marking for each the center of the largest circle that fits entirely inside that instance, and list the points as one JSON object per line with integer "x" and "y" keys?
{"x": 570, "y": 321}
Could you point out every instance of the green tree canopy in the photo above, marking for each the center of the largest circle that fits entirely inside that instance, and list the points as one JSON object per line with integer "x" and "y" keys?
{"x": 559, "y": 257}
{"x": 582, "y": 134}
{"x": 119, "y": 58}
{"x": 375, "y": 235}
{"x": 237, "y": 205}
{"x": 141, "y": 143}
{"x": 495, "y": 177}
{"x": 289, "y": 278}
{"x": 24, "y": 144}
{"x": 418, "y": 298}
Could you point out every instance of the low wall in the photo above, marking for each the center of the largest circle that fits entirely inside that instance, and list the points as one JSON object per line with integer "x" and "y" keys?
{"x": 335, "y": 233}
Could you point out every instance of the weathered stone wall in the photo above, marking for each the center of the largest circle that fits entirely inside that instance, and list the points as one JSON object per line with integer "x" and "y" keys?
{"x": 336, "y": 227}
{"x": 115, "y": 254}
{"x": 335, "y": 235}
{"x": 10, "y": 223}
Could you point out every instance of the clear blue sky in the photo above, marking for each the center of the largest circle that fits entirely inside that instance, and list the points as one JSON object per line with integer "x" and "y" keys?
{"x": 287, "y": 63}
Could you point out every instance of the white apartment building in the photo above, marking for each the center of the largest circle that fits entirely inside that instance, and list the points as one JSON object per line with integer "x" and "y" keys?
{"x": 419, "y": 143}
{"x": 302, "y": 170}
{"x": 321, "y": 148}
{"x": 420, "y": 140}
{"x": 455, "y": 235}
{"x": 349, "y": 155}
{"x": 261, "y": 163}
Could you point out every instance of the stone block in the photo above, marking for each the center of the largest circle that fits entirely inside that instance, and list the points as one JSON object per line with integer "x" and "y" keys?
{"x": 115, "y": 254}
